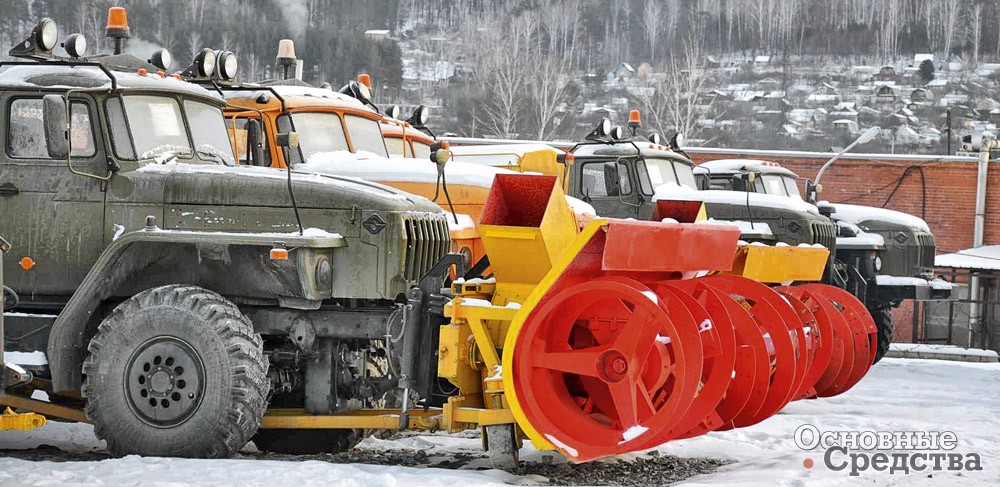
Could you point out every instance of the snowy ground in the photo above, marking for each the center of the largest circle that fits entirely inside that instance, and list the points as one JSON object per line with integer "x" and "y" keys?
{"x": 897, "y": 395}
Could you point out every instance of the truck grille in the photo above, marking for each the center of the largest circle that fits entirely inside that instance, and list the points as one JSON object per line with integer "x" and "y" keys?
{"x": 927, "y": 250}
{"x": 427, "y": 240}
{"x": 825, "y": 234}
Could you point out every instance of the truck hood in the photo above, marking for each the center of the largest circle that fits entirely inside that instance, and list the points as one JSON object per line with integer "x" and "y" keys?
{"x": 399, "y": 169}
{"x": 871, "y": 218}
{"x": 202, "y": 184}
{"x": 677, "y": 192}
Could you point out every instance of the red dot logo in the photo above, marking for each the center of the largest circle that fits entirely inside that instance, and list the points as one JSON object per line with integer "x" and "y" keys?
{"x": 807, "y": 463}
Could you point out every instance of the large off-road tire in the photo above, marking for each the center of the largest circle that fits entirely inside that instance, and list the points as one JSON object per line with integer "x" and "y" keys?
{"x": 883, "y": 322}
{"x": 176, "y": 371}
{"x": 306, "y": 441}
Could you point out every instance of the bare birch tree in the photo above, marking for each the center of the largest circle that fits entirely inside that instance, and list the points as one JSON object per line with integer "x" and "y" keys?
{"x": 652, "y": 24}
{"x": 501, "y": 53}
{"x": 550, "y": 87}
{"x": 672, "y": 104}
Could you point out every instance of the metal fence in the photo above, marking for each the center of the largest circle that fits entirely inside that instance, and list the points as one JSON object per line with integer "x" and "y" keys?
{"x": 950, "y": 322}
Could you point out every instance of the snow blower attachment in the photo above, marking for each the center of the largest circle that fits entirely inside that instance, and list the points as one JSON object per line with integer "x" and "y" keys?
{"x": 630, "y": 333}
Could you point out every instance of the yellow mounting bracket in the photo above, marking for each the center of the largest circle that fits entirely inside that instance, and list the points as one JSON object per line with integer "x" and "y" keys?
{"x": 10, "y": 420}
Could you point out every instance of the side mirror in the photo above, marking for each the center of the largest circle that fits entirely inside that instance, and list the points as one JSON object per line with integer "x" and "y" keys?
{"x": 611, "y": 182}
{"x": 739, "y": 184}
{"x": 288, "y": 139}
{"x": 255, "y": 149}
{"x": 56, "y": 122}
{"x": 825, "y": 208}
{"x": 440, "y": 153}
{"x": 702, "y": 181}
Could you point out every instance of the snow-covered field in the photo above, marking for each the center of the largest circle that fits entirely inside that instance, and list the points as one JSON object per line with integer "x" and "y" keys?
{"x": 897, "y": 395}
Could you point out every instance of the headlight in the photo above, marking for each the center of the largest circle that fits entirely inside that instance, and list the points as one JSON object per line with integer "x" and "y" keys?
{"x": 878, "y": 263}
{"x": 466, "y": 253}
{"x": 324, "y": 274}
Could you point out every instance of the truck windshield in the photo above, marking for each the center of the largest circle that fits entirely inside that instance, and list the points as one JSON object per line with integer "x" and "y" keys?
{"x": 792, "y": 186}
{"x": 159, "y": 131}
{"x": 211, "y": 140}
{"x": 779, "y": 185}
{"x": 663, "y": 171}
{"x": 396, "y": 147}
{"x": 421, "y": 150}
{"x": 366, "y": 135}
{"x": 157, "y": 127}
{"x": 319, "y": 133}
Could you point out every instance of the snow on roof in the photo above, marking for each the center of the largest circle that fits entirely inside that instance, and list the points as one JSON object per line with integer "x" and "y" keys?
{"x": 919, "y": 58}
{"x": 822, "y": 97}
{"x": 859, "y": 214}
{"x": 740, "y": 165}
{"x": 762, "y": 59}
{"x": 398, "y": 169}
{"x": 985, "y": 257}
{"x": 497, "y": 155}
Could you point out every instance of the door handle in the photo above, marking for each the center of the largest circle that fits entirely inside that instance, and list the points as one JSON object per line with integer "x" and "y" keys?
{"x": 8, "y": 189}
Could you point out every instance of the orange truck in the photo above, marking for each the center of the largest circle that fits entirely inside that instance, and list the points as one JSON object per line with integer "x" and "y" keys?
{"x": 339, "y": 134}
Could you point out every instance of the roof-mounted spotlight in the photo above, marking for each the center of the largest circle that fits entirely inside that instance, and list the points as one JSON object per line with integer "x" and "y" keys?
{"x": 75, "y": 45}
{"x": 393, "y": 112}
{"x": 618, "y": 133}
{"x": 162, "y": 59}
{"x": 419, "y": 117}
{"x": 40, "y": 43}
{"x": 601, "y": 131}
{"x": 655, "y": 138}
{"x": 204, "y": 63}
{"x": 678, "y": 141}
{"x": 226, "y": 65}
{"x": 357, "y": 90}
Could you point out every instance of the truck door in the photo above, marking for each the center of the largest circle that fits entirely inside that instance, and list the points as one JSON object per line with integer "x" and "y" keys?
{"x": 53, "y": 218}
{"x": 608, "y": 187}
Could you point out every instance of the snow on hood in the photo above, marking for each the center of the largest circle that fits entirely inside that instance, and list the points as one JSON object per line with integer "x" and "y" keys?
{"x": 370, "y": 166}
{"x": 265, "y": 172}
{"x": 858, "y": 214}
{"x": 757, "y": 228}
{"x": 673, "y": 191}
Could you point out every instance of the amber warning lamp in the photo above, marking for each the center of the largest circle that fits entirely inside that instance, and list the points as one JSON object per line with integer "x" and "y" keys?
{"x": 634, "y": 120}
{"x": 117, "y": 27}
{"x": 365, "y": 79}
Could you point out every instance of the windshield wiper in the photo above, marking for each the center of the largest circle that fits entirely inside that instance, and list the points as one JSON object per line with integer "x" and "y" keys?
{"x": 212, "y": 151}
{"x": 165, "y": 153}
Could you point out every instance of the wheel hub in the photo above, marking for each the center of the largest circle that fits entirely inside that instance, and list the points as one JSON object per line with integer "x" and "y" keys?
{"x": 164, "y": 381}
{"x": 614, "y": 366}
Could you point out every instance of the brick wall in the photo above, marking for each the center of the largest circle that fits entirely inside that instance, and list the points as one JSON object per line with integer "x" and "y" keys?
{"x": 946, "y": 199}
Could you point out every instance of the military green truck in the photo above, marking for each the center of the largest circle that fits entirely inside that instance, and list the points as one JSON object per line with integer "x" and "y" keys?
{"x": 881, "y": 256}
{"x": 177, "y": 295}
